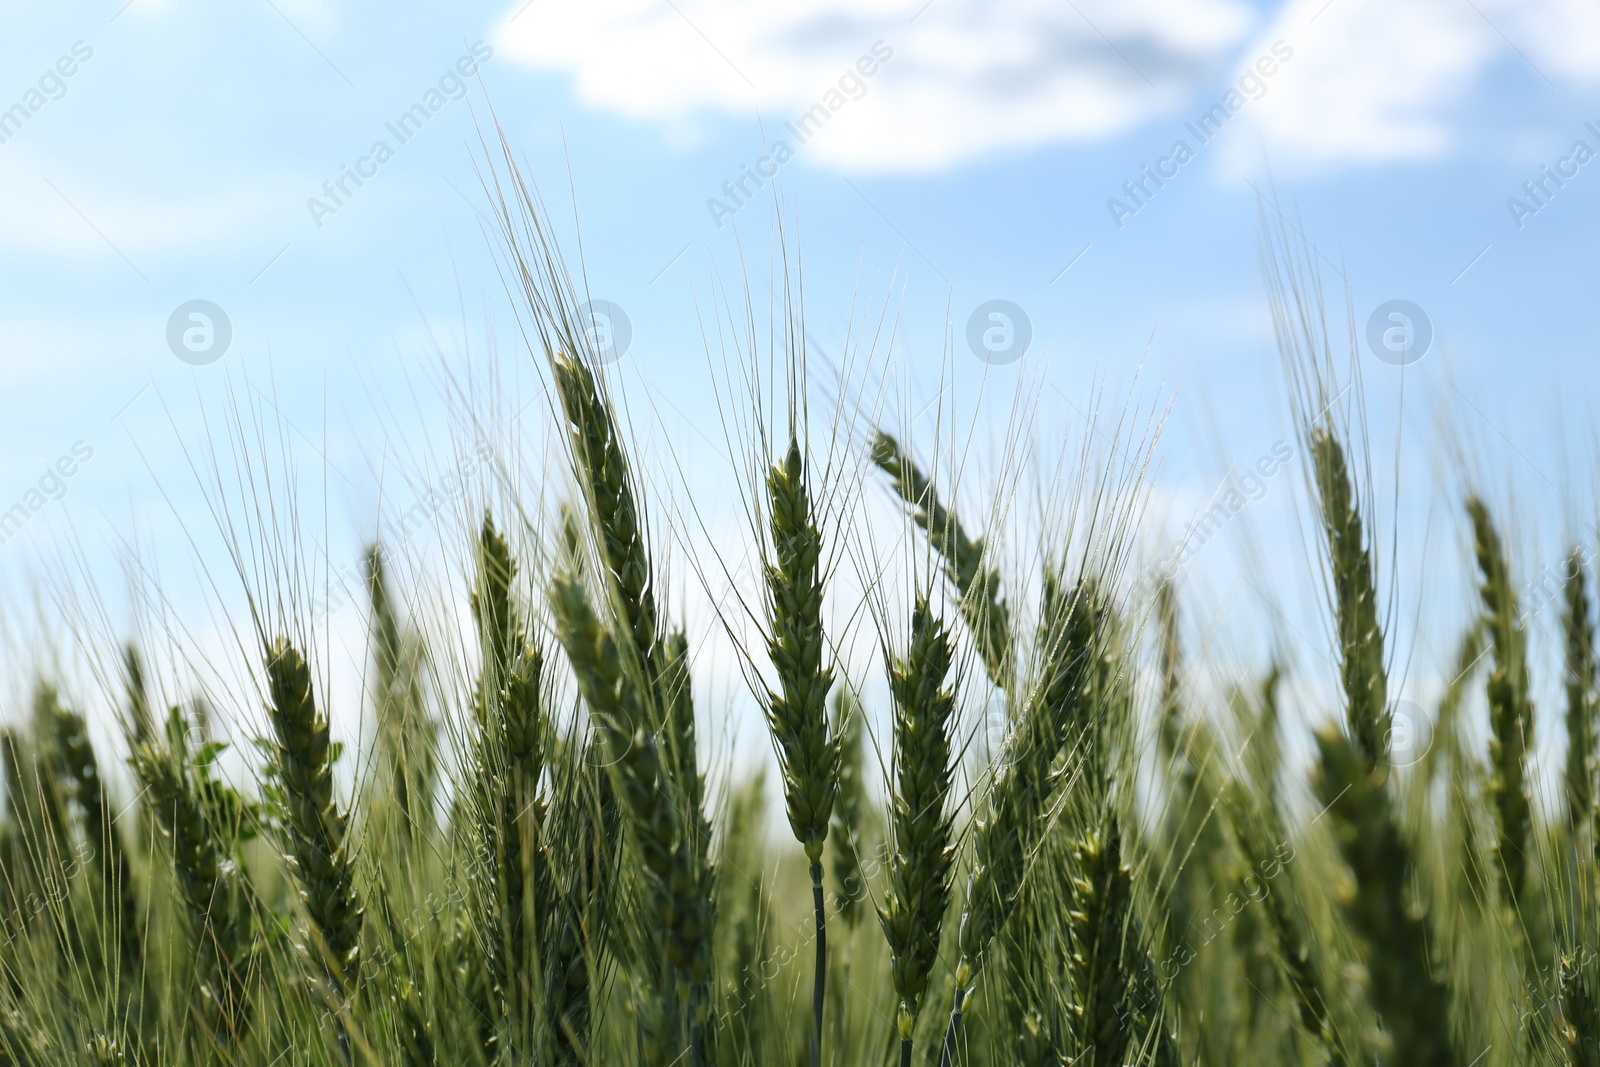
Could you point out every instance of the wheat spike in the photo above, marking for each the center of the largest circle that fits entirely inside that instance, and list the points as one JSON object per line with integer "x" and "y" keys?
{"x": 1105, "y": 949}
{"x": 323, "y": 868}
{"x": 406, "y": 736}
{"x": 1578, "y": 625}
{"x": 676, "y": 885}
{"x": 982, "y": 606}
{"x": 797, "y": 712}
{"x": 1510, "y": 706}
{"x": 602, "y": 469}
{"x": 1355, "y": 599}
{"x": 921, "y": 851}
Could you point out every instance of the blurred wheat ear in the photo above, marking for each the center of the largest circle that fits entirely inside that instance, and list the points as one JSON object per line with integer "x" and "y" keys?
{"x": 849, "y": 809}
{"x": 217, "y": 900}
{"x": 406, "y": 735}
{"x": 1510, "y": 706}
{"x": 1577, "y": 623}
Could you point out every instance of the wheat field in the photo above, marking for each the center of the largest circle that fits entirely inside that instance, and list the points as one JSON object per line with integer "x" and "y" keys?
{"x": 526, "y": 862}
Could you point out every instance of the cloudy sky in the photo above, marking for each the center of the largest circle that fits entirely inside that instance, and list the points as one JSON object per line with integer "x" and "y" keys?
{"x": 310, "y": 170}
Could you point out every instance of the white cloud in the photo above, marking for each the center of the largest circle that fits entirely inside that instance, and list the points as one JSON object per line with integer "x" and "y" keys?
{"x": 1377, "y": 82}
{"x": 1560, "y": 38}
{"x": 967, "y": 77}
{"x": 1371, "y": 81}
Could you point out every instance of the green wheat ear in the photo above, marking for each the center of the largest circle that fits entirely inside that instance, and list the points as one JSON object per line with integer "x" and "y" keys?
{"x": 1580, "y": 1007}
{"x": 499, "y": 630}
{"x": 921, "y": 851}
{"x": 323, "y": 869}
{"x": 1262, "y": 837}
{"x": 520, "y": 856}
{"x": 1355, "y": 597}
{"x": 1105, "y": 953}
{"x": 982, "y": 606}
{"x": 583, "y": 827}
{"x": 1171, "y": 655}
{"x": 1577, "y": 625}
{"x": 603, "y": 473}
{"x": 138, "y": 696}
{"x": 407, "y": 737}
{"x": 1354, "y": 781}
{"x": 657, "y": 697}
{"x": 797, "y": 713}
{"x": 1510, "y": 705}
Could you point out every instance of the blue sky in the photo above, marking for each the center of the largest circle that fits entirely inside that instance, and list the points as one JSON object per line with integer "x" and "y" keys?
{"x": 983, "y": 157}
